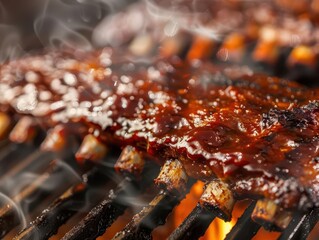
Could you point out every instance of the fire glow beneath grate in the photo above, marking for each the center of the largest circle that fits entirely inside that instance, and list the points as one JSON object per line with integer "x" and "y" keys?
{"x": 217, "y": 230}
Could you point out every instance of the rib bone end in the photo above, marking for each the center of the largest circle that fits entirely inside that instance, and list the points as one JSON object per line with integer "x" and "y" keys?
{"x": 172, "y": 177}
{"x": 55, "y": 140}
{"x": 130, "y": 161}
{"x": 270, "y": 216}
{"x": 90, "y": 149}
{"x": 24, "y": 131}
{"x": 265, "y": 211}
{"x": 217, "y": 195}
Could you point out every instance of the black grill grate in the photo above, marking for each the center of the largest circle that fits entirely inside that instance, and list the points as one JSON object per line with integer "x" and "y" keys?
{"x": 103, "y": 214}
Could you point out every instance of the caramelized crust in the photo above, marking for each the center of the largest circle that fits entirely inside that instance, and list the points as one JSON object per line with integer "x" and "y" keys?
{"x": 259, "y": 134}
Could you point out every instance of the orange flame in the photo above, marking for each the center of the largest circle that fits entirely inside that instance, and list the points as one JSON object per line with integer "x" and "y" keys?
{"x": 217, "y": 229}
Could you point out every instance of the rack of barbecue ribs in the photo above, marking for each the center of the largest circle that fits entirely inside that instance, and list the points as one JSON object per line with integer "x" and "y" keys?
{"x": 258, "y": 134}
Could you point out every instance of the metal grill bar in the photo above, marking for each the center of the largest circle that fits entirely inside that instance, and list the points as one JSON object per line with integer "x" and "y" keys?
{"x": 300, "y": 226}
{"x": 245, "y": 227}
{"x": 216, "y": 201}
{"x": 175, "y": 183}
{"x": 150, "y": 217}
{"x": 105, "y": 213}
{"x": 195, "y": 225}
{"x": 32, "y": 195}
{"x": 63, "y": 208}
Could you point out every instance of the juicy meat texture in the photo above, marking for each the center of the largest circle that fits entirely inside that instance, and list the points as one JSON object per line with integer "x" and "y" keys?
{"x": 258, "y": 133}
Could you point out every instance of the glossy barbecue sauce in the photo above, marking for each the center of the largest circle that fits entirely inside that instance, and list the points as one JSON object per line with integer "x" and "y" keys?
{"x": 258, "y": 133}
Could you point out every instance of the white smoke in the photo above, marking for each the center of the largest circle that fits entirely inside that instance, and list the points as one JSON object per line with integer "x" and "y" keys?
{"x": 70, "y": 22}
{"x": 53, "y": 181}
{"x": 57, "y": 24}
{"x": 10, "y": 45}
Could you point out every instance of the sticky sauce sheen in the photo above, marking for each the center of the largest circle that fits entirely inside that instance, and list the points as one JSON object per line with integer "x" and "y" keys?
{"x": 255, "y": 132}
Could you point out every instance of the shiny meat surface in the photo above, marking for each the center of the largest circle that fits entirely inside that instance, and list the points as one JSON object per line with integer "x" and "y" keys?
{"x": 259, "y": 134}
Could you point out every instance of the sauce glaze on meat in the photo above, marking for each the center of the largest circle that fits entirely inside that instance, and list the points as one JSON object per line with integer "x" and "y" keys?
{"x": 258, "y": 133}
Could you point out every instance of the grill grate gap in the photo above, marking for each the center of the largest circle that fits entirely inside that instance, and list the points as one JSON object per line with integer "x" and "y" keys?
{"x": 195, "y": 225}
{"x": 150, "y": 217}
{"x": 33, "y": 194}
{"x": 114, "y": 205}
{"x": 64, "y": 207}
{"x": 239, "y": 231}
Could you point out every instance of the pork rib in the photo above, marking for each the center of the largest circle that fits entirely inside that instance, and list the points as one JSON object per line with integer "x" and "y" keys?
{"x": 258, "y": 133}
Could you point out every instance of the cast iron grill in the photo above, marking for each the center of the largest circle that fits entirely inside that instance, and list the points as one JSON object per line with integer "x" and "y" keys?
{"x": 69, "y": 196}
